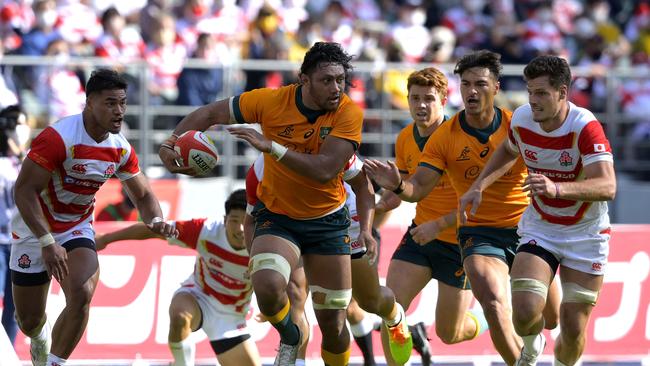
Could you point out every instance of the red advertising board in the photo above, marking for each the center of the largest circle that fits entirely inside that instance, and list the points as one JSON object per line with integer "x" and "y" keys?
{"x": 128, "y": 315}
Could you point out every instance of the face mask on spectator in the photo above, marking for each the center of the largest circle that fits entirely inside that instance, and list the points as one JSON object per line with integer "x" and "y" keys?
{"x": 600, "y": 14}
{"x": 46, "y": 18}
{"x": 418, "y": 17}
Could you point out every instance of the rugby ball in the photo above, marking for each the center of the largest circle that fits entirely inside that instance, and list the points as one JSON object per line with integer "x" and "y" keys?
{"x": 197, "y": 150}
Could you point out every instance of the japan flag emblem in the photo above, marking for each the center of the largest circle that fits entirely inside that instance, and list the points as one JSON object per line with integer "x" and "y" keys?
{"x": 599, "y": 147}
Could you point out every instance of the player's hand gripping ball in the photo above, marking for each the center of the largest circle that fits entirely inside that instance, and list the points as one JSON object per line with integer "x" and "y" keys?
{"x": 197, "y": 150}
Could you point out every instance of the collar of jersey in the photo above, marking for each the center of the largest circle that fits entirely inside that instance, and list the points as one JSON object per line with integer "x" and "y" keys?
{"x": 481, "y": 134}
{"x": 311, "y": 114}
{"x": 422, "y": 140}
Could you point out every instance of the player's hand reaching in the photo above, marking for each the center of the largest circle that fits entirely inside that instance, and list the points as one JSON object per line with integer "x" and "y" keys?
{"x": 426, "y": 232}
{"x": 385, "y": 174}
{"x": 171, "y": 160}
{"x": 253, "y": 137}
{"x": 368, "y": 241}
{"x": 55, "y": 258}
{"x": 161, "y": 227}
{"x": 472, "y": 198}
{"x": 539, "y": 185}
{"x": 100, "y": 242}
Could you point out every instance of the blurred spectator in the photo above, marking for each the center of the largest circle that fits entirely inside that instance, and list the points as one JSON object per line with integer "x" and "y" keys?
{"x": 79, "y": 25}
{"x": 267, "y": 42}
{"x": 293, "y": 13}
{"x": 149, "y": 15}
{"x": 117, "y": 42}
{"x": 409, "y": 32}
{"x": 190, "y": 15}
{"x": 638, "y": 29}
{"x": 129, "y": 9}
{"x": 199, "y": 86}
{"x": 469, "y": 24}
{"x": 16, "y": 19}
{"x": 616, "y": 46}
{"x": 10, "y": 153}
{"x": 165, "y": 55}
{"x": 541, "y": 35}
{"x": 122, "y": 210}
{"x": 36, "y": 40}
{"x": 7, "y": 94}
{"x": 61, "y": 89}
{"x": 337, "y": 26}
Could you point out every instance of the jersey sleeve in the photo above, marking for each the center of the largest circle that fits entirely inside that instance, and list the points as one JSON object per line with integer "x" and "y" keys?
{"x": 248, "y": 107}
{"x": 433, "y": 155}
{"x": 511, "y": 141}
{"x": 352, "y": 168}
{"x": 188, "y": 233}
{"x": 400, "y": 161}
{"x": 130, "y": 167}
{"x": 593, "y": 144}
{"x": 349, "y": 121}
{"x": 48, "y": 149}
{"x": 251, "y": 189}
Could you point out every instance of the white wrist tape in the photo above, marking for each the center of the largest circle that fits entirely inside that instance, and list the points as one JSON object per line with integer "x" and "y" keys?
{"x": 46, "y": 240}
{"x": 156, "y": 220}
{"x": 277, "y": 150}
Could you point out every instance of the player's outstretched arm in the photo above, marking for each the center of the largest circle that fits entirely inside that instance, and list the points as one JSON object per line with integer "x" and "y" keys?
{"x": 365, "y": 200}
{"x": 502, "y": 160}
{"x": 599, "y": 184}
{"x": 139, "y": 231}
{"x": 322, "y": 167}
{"x": 31, "y": 181}
{"x": 200, "y": 119}
{"x": 388, "y": 177}
{"x": 142, "y": 196}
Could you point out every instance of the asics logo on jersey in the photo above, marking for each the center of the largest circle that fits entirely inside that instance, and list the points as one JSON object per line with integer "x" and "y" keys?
{"x": 530, "y": 155}
{"x": 308, "y": 133}
{"x": 288, "y": 131}
{"x": 484, "y": 152}
{"x": 79, "y": 168}
{"x": 463, "y": 154}
{"x": 565, "y": 159}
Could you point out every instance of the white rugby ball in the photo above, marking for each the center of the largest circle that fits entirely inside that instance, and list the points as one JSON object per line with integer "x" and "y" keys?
{"x": 198, "y": 151}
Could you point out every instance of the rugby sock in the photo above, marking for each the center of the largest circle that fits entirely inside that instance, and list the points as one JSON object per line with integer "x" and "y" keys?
{"x": 365, "y": 326}
{"x": 335, "y": 359}
{"x": 365, "y": 345}
{"x": 300, "y": 362}
{"x": 183, "y": 352}
{"x": 557, "y": 362}
{"x": 289, "y": 332}
{"x": 479, "y": 319}
{"x": 391, "y": 322}
{"x": 42, "y": 334}
{"x": 53, "y": 360}
{"x": 533, "y": 344}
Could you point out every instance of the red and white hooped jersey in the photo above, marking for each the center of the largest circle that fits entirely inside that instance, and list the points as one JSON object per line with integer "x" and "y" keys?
{"x": 79, "y": 167}
{"x": 561, "y": 155}
{"x": 219, "y": 269}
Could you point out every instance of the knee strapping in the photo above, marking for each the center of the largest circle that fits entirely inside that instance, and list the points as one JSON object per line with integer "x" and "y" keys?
{"x": 529, "y": 285}
{"x": 573, "y": 292}
{"x": 333, "y": 299}
{"x": 270, "y": 261}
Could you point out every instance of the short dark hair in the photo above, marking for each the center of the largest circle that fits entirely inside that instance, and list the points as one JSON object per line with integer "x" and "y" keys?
{"x": 556, "y": 68}
{"x": 109, "y": 14}
{"x": 236, "y": 200}
{"x": 105, "y": 79}
{"x": 483, "y": 58}
{"x": 326, "y": 52}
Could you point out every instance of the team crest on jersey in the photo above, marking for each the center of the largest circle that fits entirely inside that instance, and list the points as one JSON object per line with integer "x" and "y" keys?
{"x": 565, "y": 159}
{"x": 288, "y": 131}
{"x": 24, "y": 261}
{"x": 464, "y": 155}
{"x": 324, "y": 131}
{"x": 109, "y": 171}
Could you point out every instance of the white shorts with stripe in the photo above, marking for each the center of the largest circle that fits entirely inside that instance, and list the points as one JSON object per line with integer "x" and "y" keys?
{"x": 26, "y": 250}
{"x": 216, "y": 323}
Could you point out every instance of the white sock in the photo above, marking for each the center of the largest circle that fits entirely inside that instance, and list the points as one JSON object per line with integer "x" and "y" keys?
{"x": 365, "y": 326}
{"x": 398, "y": 318}
{"x": 533, "y": 344}
{"x": 43, "y": 333}
{"x": 300, "y": 362}
{"x": 53, "y": 360}
{"x": 183, "y": 352}
{"x": 556, "y": 362}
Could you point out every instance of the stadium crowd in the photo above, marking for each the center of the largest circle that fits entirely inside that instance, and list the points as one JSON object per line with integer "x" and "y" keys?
{"x": 598, "y": 34}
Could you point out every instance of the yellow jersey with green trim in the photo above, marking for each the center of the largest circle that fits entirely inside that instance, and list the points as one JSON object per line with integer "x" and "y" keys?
{"x": 461, "y": 152}
{"x": 286, "y": 120}
{"x": 442, "y": 199}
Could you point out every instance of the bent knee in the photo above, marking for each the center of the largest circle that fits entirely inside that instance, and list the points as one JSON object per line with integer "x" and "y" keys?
{"x": 29, "y": 324}
{"x": 447, "y": 335}
{"x": 179, "y": 319}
